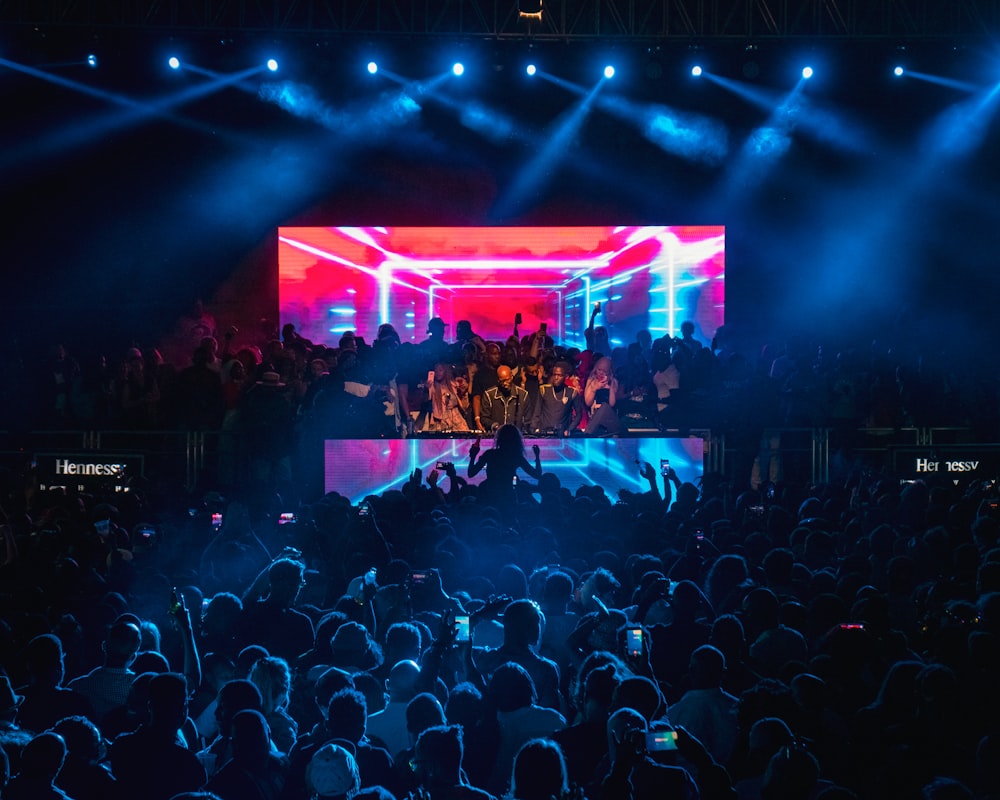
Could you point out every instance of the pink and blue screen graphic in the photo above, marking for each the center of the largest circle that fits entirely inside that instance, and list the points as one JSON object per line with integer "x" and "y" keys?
{"x": 337, "y": 279}
{"x": 356, "y": 468}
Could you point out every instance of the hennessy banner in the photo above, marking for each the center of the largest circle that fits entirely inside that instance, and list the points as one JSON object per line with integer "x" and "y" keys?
{"x": 85, "y": 472}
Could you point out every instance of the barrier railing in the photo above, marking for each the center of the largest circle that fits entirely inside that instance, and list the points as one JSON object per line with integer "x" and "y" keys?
{"x": 183, "y": 458}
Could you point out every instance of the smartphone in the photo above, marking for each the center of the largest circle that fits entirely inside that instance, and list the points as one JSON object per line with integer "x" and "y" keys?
{"x": 851, "y": 626}
{"x": 443, "y": 466}
{"x": 285, "y": 517}
{"x": 418, "y": 578}
{"x": 145, "y": 531}
{"x": 103, "y": 527}
{"x": 364, "y": 510}
{"x": 633, "y": 641}
{"x": 462, "y": 632}
{"x": 543, "y": 327}
{"x": 216, "y": 520}
{"x": 517, "y": 318}
{"x": 661, "y": 740}
{"x": 664, "y": 466}
{"x": 430, "y": 376}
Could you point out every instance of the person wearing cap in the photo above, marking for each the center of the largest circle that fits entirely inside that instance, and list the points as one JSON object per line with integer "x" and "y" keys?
{"x": 332, "y": 774}
{"x": 435, "y": 346}
{"x": 267, "y": 424}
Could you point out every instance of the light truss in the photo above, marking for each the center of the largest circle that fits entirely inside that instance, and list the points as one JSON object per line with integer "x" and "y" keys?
{"x": 564, "y": 20}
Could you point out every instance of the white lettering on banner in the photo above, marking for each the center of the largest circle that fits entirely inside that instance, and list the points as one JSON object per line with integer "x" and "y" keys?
{"x": 926, "y": 465}
{"x": 66, "y": 467}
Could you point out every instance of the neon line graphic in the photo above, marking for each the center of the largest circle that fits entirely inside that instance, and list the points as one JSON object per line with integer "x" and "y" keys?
{"x": 487, "y": 274}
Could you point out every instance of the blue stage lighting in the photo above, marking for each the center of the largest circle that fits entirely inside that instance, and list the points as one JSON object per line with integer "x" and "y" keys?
{"x": 92, "y": 61}
{"x": 807, "y": 72}
{"x": 272, "y": 65}
{"x": 173, "y": 62}
{"x": 609, "y": 72}
{"x": 459, "y": 68}
{"x": 372, "y": 67}
{"x": 898, "y": 71}
{"x": 696, "y": 70}
{"x": 531, "y": 69}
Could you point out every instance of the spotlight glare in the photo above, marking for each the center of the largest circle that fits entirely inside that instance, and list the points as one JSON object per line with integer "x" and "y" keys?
{"x": 898, "y": 71}
{"x": 174, "y": 62}
{"x": 92, "y": 61}
{"x": 531, "y": 69}
{"x": 696, "y": 71}
{"x": 609, "y": 72}
{"x": 459, "y": 68}
{"x": 807, "y": 72}
{"x": 372, "y": 67}
{"x": 272, "y": 65}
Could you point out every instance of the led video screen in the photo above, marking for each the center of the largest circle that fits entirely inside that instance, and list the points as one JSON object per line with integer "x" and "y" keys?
{"x": 332, "y": 280}
{"x": 356, "y": 468}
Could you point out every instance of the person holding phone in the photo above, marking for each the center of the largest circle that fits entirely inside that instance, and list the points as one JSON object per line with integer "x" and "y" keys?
{"x": 637, "y": 771}
{"x": 448, "y": 407}
{"x": 600, "y": 395}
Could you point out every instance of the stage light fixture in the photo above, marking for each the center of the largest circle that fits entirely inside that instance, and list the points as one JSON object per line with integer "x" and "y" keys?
{"x": 272, "y": 65}
{"x": 807, "y": 72}
{"x": 529, "y": 9}
{"x": 609, "y": 71}
{"x": 696, "y": 71}
{"x": 531, "y": 69}
{"x": 372, "y": 67}
{"x": 174, "y": 62}
{"x": 92, "y": 61}
{"x": 459, "y": 68}
{"x": 898, "y": 71}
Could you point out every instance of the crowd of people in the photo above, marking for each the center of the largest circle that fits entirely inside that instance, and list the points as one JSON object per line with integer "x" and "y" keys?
{"x": 270, "y": 396}
{"x": 509, "y": 640}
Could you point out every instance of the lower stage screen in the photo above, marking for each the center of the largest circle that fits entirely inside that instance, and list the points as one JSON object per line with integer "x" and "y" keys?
{"x": 356, "y": 468}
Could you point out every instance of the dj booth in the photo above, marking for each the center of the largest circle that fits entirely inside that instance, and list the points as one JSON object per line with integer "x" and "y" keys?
{"x": 359, "y": 467}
